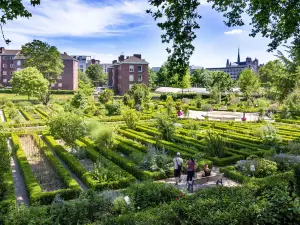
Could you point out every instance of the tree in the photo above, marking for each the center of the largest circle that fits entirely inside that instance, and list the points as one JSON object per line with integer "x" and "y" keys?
{"x": 96, "y": 74}
{"x": 139, "y": 92}
{"x": 202, "y": 78}
{"x": 248, "y": 82}
{"x": 186, "y": 80}
{"x": 152, "y": 78}
{"x": 131, "y": 118}
{"x": 277, "y": 20}
{"x": 277, "y": 81}
{"x": 292, "y": 103}
{"x": 10, "y": 10}
{"x": 46, "y": 59}
{"x": 29, "y": 81}
{"x": 84, "y": 84}
{"x": 67, "y": 126}
{"x": 222, "y": 82}
{"x": 162, "y": 76}
{"x": 79, "y": 100}
{"x": 83, "y": 77}
{"x": 106, "y": 96}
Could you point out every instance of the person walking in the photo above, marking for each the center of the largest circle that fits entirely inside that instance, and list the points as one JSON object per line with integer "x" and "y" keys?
{"x": 177, "y": 167}
{"x": 191, "y": 167}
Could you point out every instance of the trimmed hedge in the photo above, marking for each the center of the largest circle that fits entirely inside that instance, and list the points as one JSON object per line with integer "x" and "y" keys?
{"x": 176, "y": 96}
{"x": 229, "y": 160}
{"x": 232, "y": 174}
{"x": 25, "y": 114}
{"x": 132, "y": 143}
{"x": 81, "y": 172}
{"x": 36, "y": 195}
{"x": 10, "y": 91}
{"x": 126, "y": 164}
{"x": 120, "y": 118}
{"x": 42, "y": 113}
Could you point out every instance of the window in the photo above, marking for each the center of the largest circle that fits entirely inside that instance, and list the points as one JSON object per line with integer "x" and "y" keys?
{"x": 140, "y": 69}
{"x": 130, "y": 86}
{"x": 4, "y": 80}
{"x": 19, "y": 63}
{"x": 52, "y": 85}
{"x": 11, "y": 65}
{"x": 18, "y": 69}
{"x": 11, "y": 58}
{"x": 131, "y": 77}
{"x": 4, "y": 65}
{"x": 131, "y": 68}
{"x": 140, "y": 77}
{"x": 5, "y": 57}
{"x": 59, "y": 85}
{"x": 81, "y": 66}
{"x": 4, "y": 73}
{"x": 11, "y": 73}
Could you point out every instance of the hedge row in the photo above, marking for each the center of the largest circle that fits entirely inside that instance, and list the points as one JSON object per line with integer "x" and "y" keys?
{"x": 8, "y": 201}
{"x": 42, "y": 113}
{"x": 287, "y": 121}
{"x": 168, "y": 146}
{"x": 78, "y": 169}
{"x": 10, "y": 91}
{"x": 20, "y": 125}
{"x": 123, "y": 163}
{"x": 232, "y": 174}
{"x": 176, "y": 96}
{"x": 25, "y": 114}
{"x": 120, "y": 118}
{"x": 230, "y": 159}
{"x": 5, "y": 114}
{"x": 36, "y": 195}
{"x": 132, "y": 143}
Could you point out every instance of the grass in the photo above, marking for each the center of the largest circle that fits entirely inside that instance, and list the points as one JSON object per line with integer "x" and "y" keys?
{"x": 14, "y": 97}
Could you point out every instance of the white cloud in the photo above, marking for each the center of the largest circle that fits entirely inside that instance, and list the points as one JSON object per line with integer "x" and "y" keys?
{"x": 233, "y": 32}
{"x": 56, "y": 18}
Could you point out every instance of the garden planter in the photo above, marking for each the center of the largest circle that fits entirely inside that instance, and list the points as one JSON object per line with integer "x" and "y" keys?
{"x": 244, "y": 118}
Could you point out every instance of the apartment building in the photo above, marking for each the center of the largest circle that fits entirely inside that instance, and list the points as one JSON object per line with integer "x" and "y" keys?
{"x": 83, "y": 61}
{"x": 125, "y": 72}
{"x": 12, "y": 60}
{"x": 105, "y": 67}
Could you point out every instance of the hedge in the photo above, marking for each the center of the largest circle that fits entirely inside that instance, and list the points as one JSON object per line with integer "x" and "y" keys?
{"x": 42, "y": 112}
{"x": 287, "y": 121}
{"x": 126, "y": 164}
{"x": 176, "y": 96}
{"x": 120, "y": 118}
{"x": 29, "y": 124}
{"x": 81, "y": 172}
{"x": 36, "y": 195}
{"x": 232, "y": 174}
{"x": 132, "y": 143}
{"x": 8, "y": 201}
{"x": 10, "y": 91}
{"x": 25, "y": 114}
{"x": 228, "y": 160}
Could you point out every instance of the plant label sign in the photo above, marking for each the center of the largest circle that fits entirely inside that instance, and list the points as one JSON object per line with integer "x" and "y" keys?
{"x": 252, "y": 167}
{"x": 127, "y": 200}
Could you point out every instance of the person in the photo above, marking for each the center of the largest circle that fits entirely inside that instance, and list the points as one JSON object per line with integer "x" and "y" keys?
{"x": 191, "y": 165}
{"x": 206, "y": 171}
{"x": 177, "y": 167}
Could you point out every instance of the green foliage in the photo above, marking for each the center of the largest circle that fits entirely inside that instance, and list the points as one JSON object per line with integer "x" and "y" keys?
{"x": 131, "y": 118}
{"x": 165, "y": 125}
{"x": 169, "y": 106}
{"x": 83, "y": 78}
{"x": 79, "y": 100}
{"x": 103, "y": 136}
{"x": 96, "y": 75}
{"x": 297, "y": 179}
{"x": 215, "y": 144}
{"x": 202, "y": 78}
{"x": 139, "y": 92}
{"x": 113, "y": 108}
{"x": 185, "y": 110}
{"x": 126, "y": 99}
{"x": 106, "y": 96}
{"x": 207, "y": 107}
{"x": 152, "y": 78}
{"x": 186, "y": 80}
{"x": 67, "y": 126}
{"x": 248, "y": 82}
{"x": 268, "y": 134}
{"x": 30, "y": 82}
{"x": 292, "y": 103}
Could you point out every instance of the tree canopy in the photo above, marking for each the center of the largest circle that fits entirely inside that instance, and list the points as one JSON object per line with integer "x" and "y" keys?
{"x": 96, "y": 74}
{"x": 29, "y": 81}
{"x": 202, "y": 78}
{"x": 248, "y": 82}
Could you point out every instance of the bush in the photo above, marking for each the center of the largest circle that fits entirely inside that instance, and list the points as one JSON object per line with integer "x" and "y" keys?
{"x": 166, "y": 127}
{"x": 113, "y": 108}
{"x": 131, "y": 118}
{"x": 297, "y": 179}
{"x": 126, "y": 99}
{"x": 268, "y": 134}
{"x": 185, "y": 110}
{"x": 207, "y": 107}
{"x": 106, "y": 96}
{"x": 285, "y": 162}
{"x": 104, "y": 136}
{"x": 215, "y": 144}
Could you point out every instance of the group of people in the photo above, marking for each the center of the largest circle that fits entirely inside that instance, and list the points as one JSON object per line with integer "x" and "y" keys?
{"x": 191, "y": 169}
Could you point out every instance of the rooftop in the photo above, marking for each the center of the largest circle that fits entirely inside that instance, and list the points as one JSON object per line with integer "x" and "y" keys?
{"x": 133, "y": 59}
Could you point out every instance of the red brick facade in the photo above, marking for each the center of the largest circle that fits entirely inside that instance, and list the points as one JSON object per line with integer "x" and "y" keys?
{"x": 123, "y": 74}
{"x": 10, "y": 62}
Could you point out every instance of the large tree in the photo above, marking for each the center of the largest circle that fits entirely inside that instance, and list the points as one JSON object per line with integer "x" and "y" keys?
{"x": 162, "y": 76}
{"x": 278, "y": 20}
{"x": 248, "y": 82}
{"x": 277, "y": 81}
{"x": 96, "y": 74}
{"x": 222, "y": 82}
{"x": 202, "y": 78}
{"x": 46, "y": 59}
{"x": 152, "y": 78}
{"x": 10, "y": 10}
{"x": 29, "y": 81}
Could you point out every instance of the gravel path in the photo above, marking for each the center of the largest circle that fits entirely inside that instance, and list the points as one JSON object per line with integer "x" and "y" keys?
{"x": 81, "y": 184}
{"x": 19, "y": 184}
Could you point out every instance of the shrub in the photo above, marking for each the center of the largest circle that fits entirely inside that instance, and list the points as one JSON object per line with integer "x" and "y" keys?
{"x": 169, "y": 105}
{"x": 126, "y": 99}
{"x": 268, "y": 134}
{"x": 106, "y": 96}
{"x": 215, "y": 144}
{"x": 166, "y": 127}
{"x": 263, "y": 167}
{"x": 113, "y": 108}
{"x": 207, "y": 107}
{"x": 285, "y": 161}
{"x": 185, "y": 110}
{"x": 131, "y": 118}
{"x": 293, "y": 147}
{"x": 104, "y": 136}
{"x": 297, "y": 179}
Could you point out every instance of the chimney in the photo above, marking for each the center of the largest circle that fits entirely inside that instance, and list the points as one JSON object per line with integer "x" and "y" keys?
{"x": 138, "y": 56}
{"x": 115, "y": 61}
{"x": 121, "y": 58}
{"x": 65, "y": 53}
{"x": 2, "y": 49}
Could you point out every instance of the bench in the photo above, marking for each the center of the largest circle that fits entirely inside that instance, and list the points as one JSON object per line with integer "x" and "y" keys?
{"x": 203, "y": 180}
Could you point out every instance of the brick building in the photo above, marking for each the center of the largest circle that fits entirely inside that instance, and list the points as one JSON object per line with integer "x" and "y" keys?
{"x": 12, "y": 60}
{"x": 126, "y": 72}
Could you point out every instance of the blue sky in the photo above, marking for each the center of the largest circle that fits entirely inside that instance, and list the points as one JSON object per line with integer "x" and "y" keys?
{"x": 104, "y": 29}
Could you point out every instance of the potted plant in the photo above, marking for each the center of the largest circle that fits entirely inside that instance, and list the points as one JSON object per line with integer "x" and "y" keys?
{"x": 244, "y": 116}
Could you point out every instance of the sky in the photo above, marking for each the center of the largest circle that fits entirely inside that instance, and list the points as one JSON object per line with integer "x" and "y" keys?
{"x": 104, "y": 29}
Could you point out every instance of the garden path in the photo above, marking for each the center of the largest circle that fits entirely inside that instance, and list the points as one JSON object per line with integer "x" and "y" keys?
{"x": 19, "y": 184}
{"x": 183, "y": 184}
{"x": 81, "y": 184}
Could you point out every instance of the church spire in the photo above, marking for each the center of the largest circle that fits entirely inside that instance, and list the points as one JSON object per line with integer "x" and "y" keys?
{"x": 238, "y": 59}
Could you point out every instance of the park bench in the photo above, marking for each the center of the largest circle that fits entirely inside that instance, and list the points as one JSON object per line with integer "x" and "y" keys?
{"x": 203, "y": 180}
